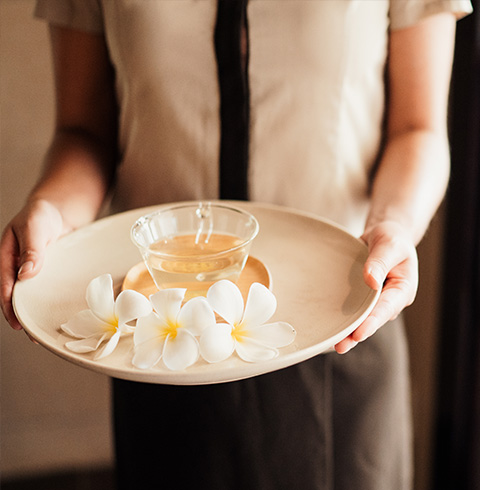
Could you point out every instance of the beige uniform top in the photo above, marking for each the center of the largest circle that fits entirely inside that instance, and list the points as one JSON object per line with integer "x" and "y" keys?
{"x": 316, "y": 84}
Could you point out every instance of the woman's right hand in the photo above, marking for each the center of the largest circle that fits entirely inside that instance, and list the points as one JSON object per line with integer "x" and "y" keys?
{"x": 79, "y": 166}
{"x": 22, "y": 248}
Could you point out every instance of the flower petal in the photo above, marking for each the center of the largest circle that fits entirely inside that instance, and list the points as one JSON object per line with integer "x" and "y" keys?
{"x": 226, "y": 299}
{"x": 251, "y": 351}
{"x": 181, "y": 351}
{"x": 261, "y": 305}
{"x": 148, "y": 353}
{"x": 109, "y": 346}
{"x": 126, "y": 329}
{"x": 131, "y": 305}
{"x": 277, "y": 334}
{"x": 217, "y": 343}
{"x": 100, "y": 297}
{"x": 85, "y": 345}
{"x": 167, "y": 303}
{"x": 149, "y": 327}
{"x": 196, "y": 315}
{"x": 85, "y": 324}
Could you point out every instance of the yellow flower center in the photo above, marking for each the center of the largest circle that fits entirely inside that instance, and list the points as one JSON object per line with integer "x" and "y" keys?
{"x": 239, "y": 332}
{"x": 112, "y": 325}
{"x": 170, "y": 329}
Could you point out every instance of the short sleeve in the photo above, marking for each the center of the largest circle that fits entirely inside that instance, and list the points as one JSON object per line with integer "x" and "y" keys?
{"x": 404, "y": 13}
{"x": 84, "y": 15}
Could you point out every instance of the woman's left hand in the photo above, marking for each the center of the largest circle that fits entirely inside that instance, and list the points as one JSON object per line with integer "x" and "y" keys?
{"x": 392, "y": 265}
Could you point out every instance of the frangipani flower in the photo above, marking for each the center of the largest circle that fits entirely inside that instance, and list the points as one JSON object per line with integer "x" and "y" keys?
{"x": 169, "y": 332}
{"x": 106, "y": 319}
{"x": 245, "y": 331}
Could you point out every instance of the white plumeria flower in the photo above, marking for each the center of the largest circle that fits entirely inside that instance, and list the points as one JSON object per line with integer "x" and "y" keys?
{"x": 169, "y": 332}
{"x": 106, "y": 319}
{"x": 245, "y": 331}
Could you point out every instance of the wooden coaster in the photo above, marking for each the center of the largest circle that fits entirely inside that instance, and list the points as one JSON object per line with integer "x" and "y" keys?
{"x": 139, "y": 279}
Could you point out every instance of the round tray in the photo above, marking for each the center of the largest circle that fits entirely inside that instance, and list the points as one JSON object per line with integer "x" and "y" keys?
{"x": 315, "y": 273}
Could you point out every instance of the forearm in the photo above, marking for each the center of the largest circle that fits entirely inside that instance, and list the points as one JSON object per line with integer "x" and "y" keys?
{"x": 411, "y": 180}
{"x": 413, "y": 173}
{"x": 78, "y": 173}
{"x": 79, "y": 166}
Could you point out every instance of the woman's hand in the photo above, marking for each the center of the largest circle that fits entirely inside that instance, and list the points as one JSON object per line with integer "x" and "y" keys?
{"x": 412, "y": 175}
{"x": 79, "y": 165}
{"x": 392, "y": 264}
{"x": 22, "y": 248}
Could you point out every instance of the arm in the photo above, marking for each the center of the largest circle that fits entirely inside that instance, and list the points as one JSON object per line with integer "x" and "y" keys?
{"x": 413, "y": 173}
{"x": 79, "y": 165}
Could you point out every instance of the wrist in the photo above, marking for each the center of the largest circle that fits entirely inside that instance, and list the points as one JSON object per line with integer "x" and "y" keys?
{"x": 401, "y": 223}
{"x": 395, "y": 227}
{"x": 76, "y": 204}
{"x": 52, "y": 208}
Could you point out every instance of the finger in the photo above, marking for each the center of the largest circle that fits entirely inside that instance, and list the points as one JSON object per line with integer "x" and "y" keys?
{"x": 385, "y": 253}
{"x": 380, "y": 261}
{"x": 31, "y": 338}
{"x": 30, "y": 258}
{"x": 32, "y": 242}
{"x": 398, "y": 293}
{"x": 387, "y": 308}
{"x": 9, "y": 313}
{"x": 8, "y": 274}
{"x": 43, "y": 226}
{"x": 345, "y": 345}
{"x": 384, "y": 311}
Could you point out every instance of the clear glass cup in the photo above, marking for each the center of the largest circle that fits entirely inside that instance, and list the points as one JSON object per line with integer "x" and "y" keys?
{"x": 193, "y": 245}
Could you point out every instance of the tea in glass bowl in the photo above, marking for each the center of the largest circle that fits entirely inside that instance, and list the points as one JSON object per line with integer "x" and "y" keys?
{"x": 194, "y": 245}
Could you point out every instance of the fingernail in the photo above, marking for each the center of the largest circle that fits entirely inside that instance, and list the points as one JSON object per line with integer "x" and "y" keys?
{"x": 377, "y": 276}
{"x": 25, "y": 267}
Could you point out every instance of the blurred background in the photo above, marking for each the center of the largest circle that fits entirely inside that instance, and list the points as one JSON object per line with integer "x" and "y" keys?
{"x": 55, "y": 417}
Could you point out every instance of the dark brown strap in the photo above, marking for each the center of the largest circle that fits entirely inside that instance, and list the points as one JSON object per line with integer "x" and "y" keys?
{"x": 234, "y": 99}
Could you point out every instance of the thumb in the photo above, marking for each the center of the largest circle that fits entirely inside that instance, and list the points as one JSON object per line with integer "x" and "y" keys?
{"x": 31, "y": 262}
{"x": 375, "y": 270}
{"x": 32, "y": 241}
{"x": 377, "y": 264}
{"x": 386, "y": 251}
{"x": 31, "y": 249}
{"x": 42, "y": 226}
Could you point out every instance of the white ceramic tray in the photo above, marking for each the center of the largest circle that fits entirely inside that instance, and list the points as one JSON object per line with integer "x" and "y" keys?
{"x": 316, "y": 274}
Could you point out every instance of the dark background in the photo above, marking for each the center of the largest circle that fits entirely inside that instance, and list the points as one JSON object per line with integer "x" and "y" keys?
{"x": 457, "y": 458}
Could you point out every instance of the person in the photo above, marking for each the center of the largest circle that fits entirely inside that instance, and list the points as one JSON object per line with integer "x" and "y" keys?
{"x": 338, "y": 108}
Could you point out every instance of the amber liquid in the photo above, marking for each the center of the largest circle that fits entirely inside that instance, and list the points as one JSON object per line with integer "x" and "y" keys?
{"x": 192, "y": 263}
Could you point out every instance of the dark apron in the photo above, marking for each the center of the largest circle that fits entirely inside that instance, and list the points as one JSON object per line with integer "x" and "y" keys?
{"x": 333, "y": 422}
